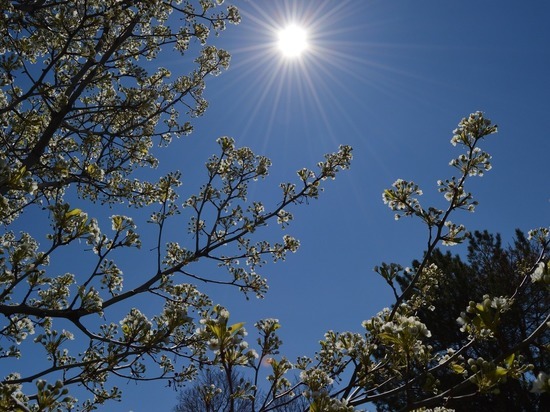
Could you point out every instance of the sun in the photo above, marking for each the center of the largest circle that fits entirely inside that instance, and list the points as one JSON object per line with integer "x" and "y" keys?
{"x": 292, "y": 41}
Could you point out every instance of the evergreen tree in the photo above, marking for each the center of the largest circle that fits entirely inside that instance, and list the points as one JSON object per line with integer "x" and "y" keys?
{"x": 490, "y": 269}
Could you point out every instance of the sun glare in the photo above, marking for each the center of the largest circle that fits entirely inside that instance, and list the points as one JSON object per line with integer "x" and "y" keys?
{"x": 292, "y": 41}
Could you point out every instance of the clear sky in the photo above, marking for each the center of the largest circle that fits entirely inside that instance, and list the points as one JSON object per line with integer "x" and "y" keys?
{"x": 392, "y": 79}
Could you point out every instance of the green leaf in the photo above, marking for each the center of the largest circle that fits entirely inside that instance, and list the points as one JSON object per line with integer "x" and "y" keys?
{"x": 457, "y": 368}
{"x": 216, "y": 330}
{"x": 501, "y": 372}
{"x": 510, "y": 360}
{"x": 71, "y": 213}
{"x": 117, "y": 222}
{"x": 235, "y": 328}
{"x": 389, "y": 338}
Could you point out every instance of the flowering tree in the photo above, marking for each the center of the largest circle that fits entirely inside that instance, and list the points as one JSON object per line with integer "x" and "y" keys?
{"x": 397, "y": 360}
{"x": 395, "y": 357}
{"x": 82, "y": 109}
{"x": 82, "y": 112}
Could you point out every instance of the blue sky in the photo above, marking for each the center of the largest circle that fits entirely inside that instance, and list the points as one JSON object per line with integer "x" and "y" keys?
{"x": 392, "y": 79}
